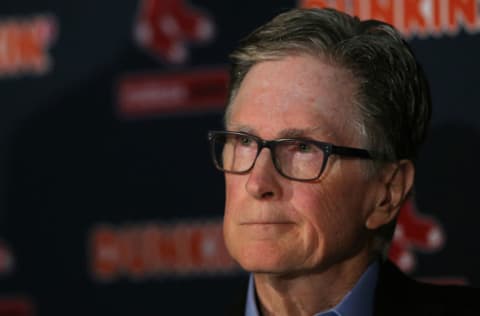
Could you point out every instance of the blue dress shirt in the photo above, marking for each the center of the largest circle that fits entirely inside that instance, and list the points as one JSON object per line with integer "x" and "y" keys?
{"x": 357, "y": 302}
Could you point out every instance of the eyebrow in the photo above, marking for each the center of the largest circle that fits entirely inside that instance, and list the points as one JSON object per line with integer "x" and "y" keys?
{"x": 295, "y": 132}
{"x": 241, "y": 128}
{"x": 286, "y": 133}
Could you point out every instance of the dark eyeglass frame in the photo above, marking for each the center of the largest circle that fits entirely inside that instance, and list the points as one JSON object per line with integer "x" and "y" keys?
{"x": 327, "y": 148}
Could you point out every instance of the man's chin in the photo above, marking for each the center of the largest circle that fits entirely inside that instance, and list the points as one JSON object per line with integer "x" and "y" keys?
{"x": 263, "y": 261}
{"x": 263, "y": 268}
{"x": 263, "y": 254}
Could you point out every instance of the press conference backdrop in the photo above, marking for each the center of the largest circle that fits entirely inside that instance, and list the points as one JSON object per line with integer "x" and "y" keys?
{"x": 109, "y": 204}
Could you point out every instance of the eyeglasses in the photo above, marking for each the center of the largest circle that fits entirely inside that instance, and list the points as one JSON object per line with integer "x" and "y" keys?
{"x": 294, "y": 158}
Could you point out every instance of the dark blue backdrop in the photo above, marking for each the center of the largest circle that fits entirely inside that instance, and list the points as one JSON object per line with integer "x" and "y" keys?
{"x": 104, "y": 161}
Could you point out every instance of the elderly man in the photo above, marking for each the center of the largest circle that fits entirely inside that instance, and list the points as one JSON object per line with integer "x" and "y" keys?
{"x": 325, "y": 115}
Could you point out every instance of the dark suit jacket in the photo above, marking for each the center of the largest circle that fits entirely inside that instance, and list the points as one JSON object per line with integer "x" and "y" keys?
{"x": 398, "y": 295}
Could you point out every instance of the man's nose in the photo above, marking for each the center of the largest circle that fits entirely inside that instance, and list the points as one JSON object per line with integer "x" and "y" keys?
{"x": 263, "y": 179}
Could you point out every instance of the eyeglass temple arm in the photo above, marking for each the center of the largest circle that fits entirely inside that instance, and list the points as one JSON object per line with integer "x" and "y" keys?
{"x": 351, "y": 152}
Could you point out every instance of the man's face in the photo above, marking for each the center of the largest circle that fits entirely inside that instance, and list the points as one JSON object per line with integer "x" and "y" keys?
{"x": 273, "y": 224}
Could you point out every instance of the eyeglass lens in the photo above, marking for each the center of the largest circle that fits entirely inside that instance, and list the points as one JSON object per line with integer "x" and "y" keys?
{"x": 293, "y": 158}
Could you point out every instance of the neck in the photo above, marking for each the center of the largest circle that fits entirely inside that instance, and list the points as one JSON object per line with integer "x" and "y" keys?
{"x": 308, "y": 293}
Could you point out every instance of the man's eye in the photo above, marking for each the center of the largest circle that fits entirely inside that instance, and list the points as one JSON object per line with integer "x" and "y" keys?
{"x": 304, "y": 147}
{"x": 244, "y": 140}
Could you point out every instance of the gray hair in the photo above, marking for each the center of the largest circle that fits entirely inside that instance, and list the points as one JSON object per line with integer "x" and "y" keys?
{"x": 393, "y": 97}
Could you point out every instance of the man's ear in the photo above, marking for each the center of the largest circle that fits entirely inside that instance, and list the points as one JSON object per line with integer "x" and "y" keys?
{"x": 396, "y": 181}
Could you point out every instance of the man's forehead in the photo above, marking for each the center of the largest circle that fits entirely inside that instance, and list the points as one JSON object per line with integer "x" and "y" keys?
{"x": 295, "y": 96}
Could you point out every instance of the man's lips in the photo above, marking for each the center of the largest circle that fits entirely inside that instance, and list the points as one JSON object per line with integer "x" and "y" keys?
{"x": 266, "y": 230}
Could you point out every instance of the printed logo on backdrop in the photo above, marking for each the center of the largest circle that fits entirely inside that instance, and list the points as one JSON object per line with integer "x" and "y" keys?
{"x": 414, "y": 232}
{"x": 186, "y": 249}
{"x": 167, "y": 30}
{"x": 412, "y": 17}
{"x": 158, "y": 250}
{"x": 25, "y": 43}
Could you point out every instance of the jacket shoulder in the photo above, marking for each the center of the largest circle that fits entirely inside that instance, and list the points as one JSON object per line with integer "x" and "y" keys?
{"x": 398, "y": 294}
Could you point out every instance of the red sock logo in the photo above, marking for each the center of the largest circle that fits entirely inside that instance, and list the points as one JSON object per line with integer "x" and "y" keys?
{"x": 414, "y": 231}
{"x": 165, "y": 27}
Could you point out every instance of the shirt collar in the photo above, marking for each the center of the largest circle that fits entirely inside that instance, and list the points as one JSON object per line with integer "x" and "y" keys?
{"x": 251, "y": 308}
{"x": 357, "y": 302}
